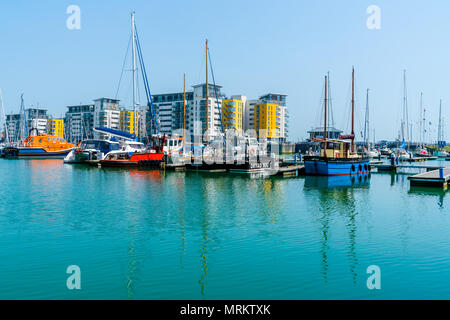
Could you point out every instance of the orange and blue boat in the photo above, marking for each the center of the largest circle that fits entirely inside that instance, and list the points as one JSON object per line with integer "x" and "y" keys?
{"x": 337, "y": 156}
{"x": 42, "y": 146}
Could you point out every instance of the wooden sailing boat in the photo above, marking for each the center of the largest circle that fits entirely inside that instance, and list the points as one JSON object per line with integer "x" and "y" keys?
{"x": 337, "y": 157}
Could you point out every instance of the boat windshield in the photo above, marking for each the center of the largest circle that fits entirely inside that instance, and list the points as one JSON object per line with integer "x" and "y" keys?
{"x": 100, "y": 145}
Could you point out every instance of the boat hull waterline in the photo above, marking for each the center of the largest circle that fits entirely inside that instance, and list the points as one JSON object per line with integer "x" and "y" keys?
{"x": 325, "y": 167}
{"x": 35, "y": 153}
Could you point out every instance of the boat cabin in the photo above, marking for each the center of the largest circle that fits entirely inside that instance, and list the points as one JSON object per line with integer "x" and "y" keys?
{"x": 47, "y": 142}
{"x": 335, "y": 149}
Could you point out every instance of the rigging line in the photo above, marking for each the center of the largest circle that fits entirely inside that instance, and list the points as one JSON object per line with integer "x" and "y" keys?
{"x": 123, "y": 67}
{"x": 146, "y": 85}
{"x": 215, "y": 90}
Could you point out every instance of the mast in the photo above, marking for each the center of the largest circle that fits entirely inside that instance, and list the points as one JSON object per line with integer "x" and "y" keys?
{"x": 133, "y": 36}
{"x": 325, "y": 122}
{"x": 207, "y": 95}
{"x": 4, "y": 117}
{"x": 440, "y": 123}
{"x": 424, "y": 126}
{"x": 420, "y": 119}
{"x": 184, "y": 105}
{"x": 330, "y": 101}
{"x": 353, "y": 110}
{"x": 366, "y": 123}
{"x": 405, "y": 122}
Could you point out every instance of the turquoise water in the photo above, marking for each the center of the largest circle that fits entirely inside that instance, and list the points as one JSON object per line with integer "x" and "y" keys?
{"x": 148, "y": 235}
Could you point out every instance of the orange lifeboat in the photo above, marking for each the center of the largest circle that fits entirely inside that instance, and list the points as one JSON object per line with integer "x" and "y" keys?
{"x": 42, "y": 146}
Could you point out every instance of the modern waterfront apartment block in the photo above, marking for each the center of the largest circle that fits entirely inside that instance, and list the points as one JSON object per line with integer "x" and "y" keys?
{"x": 36, "y": 118}
{"x": 268, "y": 113}
{"x": 106, "y": 115}
{"x": 172, "y": 115}
{"x": 19, "y": 125}
{"x": 79, "y": 123}
{"x": 233, "y": 113}
{"x": 127, "y": 121}
{"x": 55, "y": 127}
{"x": 13, "y": 122}
{"x": 170, "y": 111}
{"x": 200, "y": 122}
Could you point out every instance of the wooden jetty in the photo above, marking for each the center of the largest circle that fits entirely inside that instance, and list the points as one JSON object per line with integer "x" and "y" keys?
{"x": 290, "y": 170}
{"x": 436, "y": 178}
{"x": 418, "y": 159}
{"x": 395, "y": 167}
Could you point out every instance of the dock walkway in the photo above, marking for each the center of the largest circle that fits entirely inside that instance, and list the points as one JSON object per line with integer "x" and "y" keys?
{"x": 436, "y": 178}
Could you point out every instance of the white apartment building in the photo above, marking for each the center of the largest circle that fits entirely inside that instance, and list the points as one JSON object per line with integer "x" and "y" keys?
{"x": 197, "y": 112}
{"x": 79, "y": 123}
{"x": 170, "y": 111}
{"x": 36, "y": 118}
{"x": 106, "y": 114}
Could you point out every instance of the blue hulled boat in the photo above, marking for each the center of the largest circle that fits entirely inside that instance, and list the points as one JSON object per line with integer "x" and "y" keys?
{"x": 336, "y": 160}
{"x": 337, "y": 157}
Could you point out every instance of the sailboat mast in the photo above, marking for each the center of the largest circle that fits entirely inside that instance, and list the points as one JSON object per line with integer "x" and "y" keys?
{"x": 440, "y": 123}
{"x": 420, "y": 119}
{"x": 133, "y": 36}
{"x": 366, "y": 123}
{"x": 4, "y": 117}
{"x": 405, "y": 110}
{"x": 184, "y": 105}
{"x": 353, "y": 110}
{"x": 207, "y": 95}
{"x": 325, "y": 122}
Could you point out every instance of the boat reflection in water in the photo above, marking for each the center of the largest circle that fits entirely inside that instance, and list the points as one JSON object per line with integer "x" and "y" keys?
{"x": 320, "y": 182}
{"x": 337, "y": 202}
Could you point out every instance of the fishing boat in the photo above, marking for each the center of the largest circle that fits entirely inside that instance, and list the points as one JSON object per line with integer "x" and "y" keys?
{"x": 40, "y": 146}
{"x": 91, "y": 150}
{"x": 337, "y": 156}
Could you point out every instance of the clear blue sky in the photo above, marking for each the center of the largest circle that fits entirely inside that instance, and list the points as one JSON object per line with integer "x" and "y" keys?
{"x": 256, "y": 47}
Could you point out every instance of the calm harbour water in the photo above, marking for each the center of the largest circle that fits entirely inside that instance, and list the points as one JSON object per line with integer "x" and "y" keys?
{"x": 140, "y": 234}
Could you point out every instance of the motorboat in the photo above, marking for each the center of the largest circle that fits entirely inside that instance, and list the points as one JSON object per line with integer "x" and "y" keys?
{"x": 91, "y": 150}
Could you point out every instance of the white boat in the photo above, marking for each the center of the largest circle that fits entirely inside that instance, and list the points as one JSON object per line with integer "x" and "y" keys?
{"x": 422, "y": 152}
{"x": 371, "y": 153}
{"x": 441, "y": 153}
{"x": 91, "y": 150}
{"x": 402, "y": 154}
{"x": 386, "y": 151}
